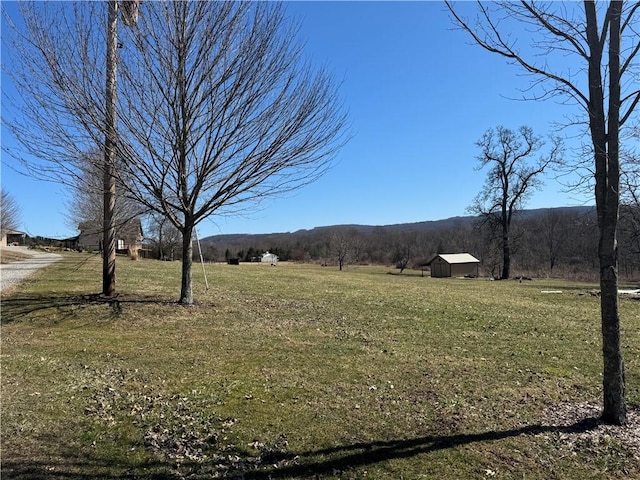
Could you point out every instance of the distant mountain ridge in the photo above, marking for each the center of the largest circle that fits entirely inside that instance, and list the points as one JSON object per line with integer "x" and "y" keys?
{"x": 425, "y": 226}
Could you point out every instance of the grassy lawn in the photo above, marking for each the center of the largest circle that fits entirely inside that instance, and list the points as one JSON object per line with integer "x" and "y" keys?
{"x": 301, "y": 371}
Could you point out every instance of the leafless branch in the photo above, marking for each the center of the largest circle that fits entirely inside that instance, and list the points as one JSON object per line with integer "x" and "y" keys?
{"x": 9, "y": 212}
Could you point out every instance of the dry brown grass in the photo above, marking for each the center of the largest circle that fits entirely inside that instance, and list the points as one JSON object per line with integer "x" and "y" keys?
{"x": 9, "y": 255}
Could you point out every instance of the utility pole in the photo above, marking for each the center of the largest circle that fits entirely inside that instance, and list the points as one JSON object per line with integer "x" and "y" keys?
{"x": 109, "y": 180}
{"x": 130, "y": 18}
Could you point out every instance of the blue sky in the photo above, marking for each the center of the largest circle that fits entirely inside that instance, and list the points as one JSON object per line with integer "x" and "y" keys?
{"x": 419, "y": 96}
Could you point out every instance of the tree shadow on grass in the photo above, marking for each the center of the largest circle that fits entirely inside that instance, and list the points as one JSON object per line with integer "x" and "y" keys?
{"x": 65, "y": 461}
{"x": 15, "y": 308}
{"x": 337, "y": 459}
{"x": 269, "y": 463}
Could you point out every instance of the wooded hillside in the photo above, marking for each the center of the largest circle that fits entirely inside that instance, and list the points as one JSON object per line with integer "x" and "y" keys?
{"x": 557, "y": 242}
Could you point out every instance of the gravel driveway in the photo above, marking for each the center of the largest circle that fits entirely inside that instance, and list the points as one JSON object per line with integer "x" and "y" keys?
{"x": 13, "y": 273}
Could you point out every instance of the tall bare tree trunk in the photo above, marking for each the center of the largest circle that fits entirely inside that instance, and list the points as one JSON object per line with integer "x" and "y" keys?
{"x": 608, "y": 205}
{"x": 613, "y": 369}
{"x": 506, "y": 252}
{"x": 109, "y": 237}
{"x": 607, "y": 176}
{"x": 610, "y": 103}
{"x": 186, "y": 292}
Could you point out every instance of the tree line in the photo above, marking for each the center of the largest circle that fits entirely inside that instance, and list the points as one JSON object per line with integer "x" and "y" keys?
{"x": 558, "y": 242}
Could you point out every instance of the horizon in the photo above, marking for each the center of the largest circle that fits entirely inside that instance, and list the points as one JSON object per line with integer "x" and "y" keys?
{"x": 366, "y": 225}
{"x": 345, "y": 225}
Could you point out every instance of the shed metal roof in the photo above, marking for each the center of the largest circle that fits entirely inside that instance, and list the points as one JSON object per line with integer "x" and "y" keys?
{"x": 452, "y": 258}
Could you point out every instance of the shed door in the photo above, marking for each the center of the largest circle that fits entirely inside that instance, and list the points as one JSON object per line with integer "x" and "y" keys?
{"x": 439, "y": 269}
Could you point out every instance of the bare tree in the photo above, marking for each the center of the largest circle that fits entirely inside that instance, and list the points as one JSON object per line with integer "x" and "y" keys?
{"x": 341, "y": 245}
{"x": 86, "y": 205}
{"x": 604, "y": 38}
{"x": 553, "y": 233}
{"x": 630, "y": 212}
{"x": 216, "y": 108}
{"x": 56, "y": 65}
{"x": 404, "y": 246}
{"x": 358, "y": 246}
{"x": 346, "y": 245}
{"x": 164, "y": 237}
{"x": 9, "y": 212}
{"x": 221, "y": 112}
{"x": 511, "y": 179}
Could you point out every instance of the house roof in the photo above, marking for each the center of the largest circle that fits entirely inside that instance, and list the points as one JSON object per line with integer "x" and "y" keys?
{"x": 452, "y": 258}
{"x": 129, "y": 228}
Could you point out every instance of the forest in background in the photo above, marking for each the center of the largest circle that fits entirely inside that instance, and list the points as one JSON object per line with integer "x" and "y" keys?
{"x": 555, "y": 242}
{"x": 559, "y": 242}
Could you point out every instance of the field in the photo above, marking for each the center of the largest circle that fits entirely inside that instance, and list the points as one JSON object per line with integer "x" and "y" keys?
{"x": 302, "y": 371}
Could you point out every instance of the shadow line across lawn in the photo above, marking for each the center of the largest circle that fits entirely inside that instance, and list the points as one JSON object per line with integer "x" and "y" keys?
{"x": 270, "y": 465}
{"x": 329, "y": 460}
{"x": 16, "y": 308}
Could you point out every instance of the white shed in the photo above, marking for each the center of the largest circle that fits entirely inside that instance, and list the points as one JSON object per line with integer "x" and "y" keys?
{"x": 454, "y": 265}
{"x": 269, "y": 258}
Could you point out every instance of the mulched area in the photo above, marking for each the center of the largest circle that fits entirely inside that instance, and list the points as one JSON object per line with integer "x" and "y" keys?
{"x": 580, "y": 427}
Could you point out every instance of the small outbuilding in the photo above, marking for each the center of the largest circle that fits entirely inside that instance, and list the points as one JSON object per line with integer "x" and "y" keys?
{"x": 13, "y": 237}
{"x": 454, "y": 265}
{"x": 269, "y": 258}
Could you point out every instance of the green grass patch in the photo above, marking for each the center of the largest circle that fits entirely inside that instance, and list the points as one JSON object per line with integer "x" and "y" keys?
{"x": 301, "y": 371}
